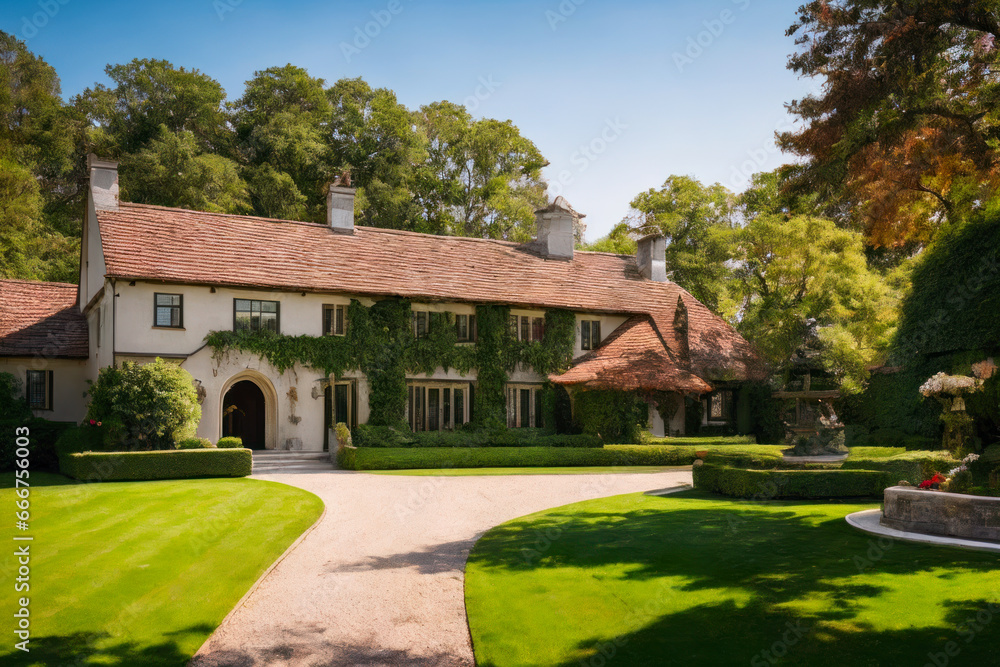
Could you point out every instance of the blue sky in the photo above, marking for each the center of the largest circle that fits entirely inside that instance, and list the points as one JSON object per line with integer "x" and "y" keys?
{"x": 617, "y": 95}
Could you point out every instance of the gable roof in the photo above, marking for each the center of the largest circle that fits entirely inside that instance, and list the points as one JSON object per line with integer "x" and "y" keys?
{"x": 182, "y": 246}
{"x": 633, "y": 358}
{"x": 41, "y": 319}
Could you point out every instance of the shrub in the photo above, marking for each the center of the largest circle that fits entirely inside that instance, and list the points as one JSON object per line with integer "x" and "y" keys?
{"x": 230, "y": 443}
{"x": 386, "y": 436}
{"x": 913, "y": 467}
{"x": 85, "y": 438}
{"x": 777, "y": 484}
{"x": 174, "y": 464}
{"x": 347, "y": 458}
{"x": 343, "y": 435}
{"x": 195, "y": 443}
{"x": 12, "y": 404}
{"x": 613, "y": 416}
{"x": 42, "y": 437}
{"x": 145, "y": 406}
{"x": 380, "y": 458}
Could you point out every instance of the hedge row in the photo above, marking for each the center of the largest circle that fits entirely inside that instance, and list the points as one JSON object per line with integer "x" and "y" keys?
{"x": 42, "y": 436}
{"x": 777, "y": 484}
{"x": 528, "y": 457}
{"x": 913, "y": 467}
{"x": 365, "y": 435}
{"x": 166, "y": 464}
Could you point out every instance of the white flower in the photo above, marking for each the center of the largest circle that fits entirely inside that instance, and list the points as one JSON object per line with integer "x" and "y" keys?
{"x": 971, "y": 458}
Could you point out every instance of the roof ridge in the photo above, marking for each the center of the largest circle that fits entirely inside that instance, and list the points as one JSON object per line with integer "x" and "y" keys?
{"x": 49, "y": 283}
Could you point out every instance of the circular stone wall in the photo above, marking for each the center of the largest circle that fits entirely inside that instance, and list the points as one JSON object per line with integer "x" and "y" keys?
{"x": 940, "y": 513}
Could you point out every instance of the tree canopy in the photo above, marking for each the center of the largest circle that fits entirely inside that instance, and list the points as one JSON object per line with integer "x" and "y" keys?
{"x": 904, "y": 134}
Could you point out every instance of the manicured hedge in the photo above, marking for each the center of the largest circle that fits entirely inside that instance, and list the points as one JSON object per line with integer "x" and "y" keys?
{"x": 42, "y": 437}
{"x": 913, "y": 467}
{"x": 529, "y": 457}
{"x": 165, "y": 464}
{"x": 777, "y": 484}
{"x": 365, "y": 435}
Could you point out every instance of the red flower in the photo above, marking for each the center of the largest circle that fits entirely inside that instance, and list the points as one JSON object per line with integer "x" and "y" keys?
{"x": 92, "y": 422}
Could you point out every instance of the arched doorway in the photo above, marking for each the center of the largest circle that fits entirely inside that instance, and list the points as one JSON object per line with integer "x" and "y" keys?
{"x": 243, "y": 414}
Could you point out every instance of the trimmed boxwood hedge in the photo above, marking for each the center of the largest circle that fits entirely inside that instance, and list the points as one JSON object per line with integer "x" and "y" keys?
{"x": 913, "y": 467}
{"x": 383, "y": 458}
{"x": 365, "y": 435}
{"x": 164, "y": 464}
{"x": 777, "y": 484}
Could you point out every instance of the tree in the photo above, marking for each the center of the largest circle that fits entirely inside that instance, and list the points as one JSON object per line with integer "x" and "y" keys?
{"x": 150, "y": 94}
{"x": 698, "y": 224}
{"x": 145, "y": 406}
{"x": 792, "y": 268}
{"x": 40, "y": 233}
{"x": 483, "y": 179}
{"x": 170, "y": 171}
{"x": 280, "y": 126}
{"x": 904, "y": 131}
{"x": 374, "y": 136}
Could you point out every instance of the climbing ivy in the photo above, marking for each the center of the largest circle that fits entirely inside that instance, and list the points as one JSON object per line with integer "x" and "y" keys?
{"x": 379, "y": 342}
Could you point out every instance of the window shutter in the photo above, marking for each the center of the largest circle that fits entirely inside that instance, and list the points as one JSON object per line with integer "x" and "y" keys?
{"x": 595, "y": 333}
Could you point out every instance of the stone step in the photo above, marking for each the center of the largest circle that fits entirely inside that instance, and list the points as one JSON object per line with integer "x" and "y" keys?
{"x": 284, "y": 454}
{"x": 282, "y": 461}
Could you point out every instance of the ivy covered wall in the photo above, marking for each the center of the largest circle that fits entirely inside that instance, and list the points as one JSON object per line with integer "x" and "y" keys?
{"x": 380, "y": 343}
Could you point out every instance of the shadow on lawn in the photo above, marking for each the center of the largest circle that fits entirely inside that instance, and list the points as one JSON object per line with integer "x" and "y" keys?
{"x": 93, "y": 648}
{"x": 782, "y": 557}
{"x": 36, "y": 479}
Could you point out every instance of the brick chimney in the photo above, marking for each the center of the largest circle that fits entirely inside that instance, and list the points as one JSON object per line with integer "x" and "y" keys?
{"x": 340, "y": 205}
{"x": 103, "y": 183}
{"x": 651, "y": 258}
{"x": 556, "y": 230}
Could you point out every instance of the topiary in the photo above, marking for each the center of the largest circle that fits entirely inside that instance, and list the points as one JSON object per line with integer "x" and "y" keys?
{"x": 230, "y": 443}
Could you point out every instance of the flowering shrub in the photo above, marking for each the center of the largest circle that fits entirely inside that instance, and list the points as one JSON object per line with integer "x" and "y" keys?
{"x": 934, "y": 482}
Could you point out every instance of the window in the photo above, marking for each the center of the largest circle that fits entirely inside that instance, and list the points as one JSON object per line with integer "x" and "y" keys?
{"x": 169, "y": 309}
{"x": 421, "y": 323}
{"x": 39, "y": 390}
{"x": 465, "y": 326}
{"x": 526, "y": 328}
{"x": 437, "y": 406}
{"x": 590, "y": 334}
{"x": 334, "y": 320}
{"x": 524, "y": 406}
{"x": 254, "y": 315}
{"x": 719, "y": 406}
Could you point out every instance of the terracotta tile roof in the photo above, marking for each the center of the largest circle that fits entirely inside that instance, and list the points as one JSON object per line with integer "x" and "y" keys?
{"x": 182, "y": 246}
{"x": 41, "y": 319}
{"x": 633, "y": 358}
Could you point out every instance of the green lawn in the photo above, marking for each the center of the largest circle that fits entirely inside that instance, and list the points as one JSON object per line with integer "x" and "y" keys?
{"x": 141, "y": 573}
{"x": 583, "y": 470}
{"x": 692, "y": 579}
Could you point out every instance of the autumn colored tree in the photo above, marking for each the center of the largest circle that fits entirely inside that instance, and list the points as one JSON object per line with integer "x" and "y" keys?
{"x": 903, "y": 136}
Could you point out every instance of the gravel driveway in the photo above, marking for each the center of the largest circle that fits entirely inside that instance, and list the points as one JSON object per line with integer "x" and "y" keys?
{"x": 379, "y": 581}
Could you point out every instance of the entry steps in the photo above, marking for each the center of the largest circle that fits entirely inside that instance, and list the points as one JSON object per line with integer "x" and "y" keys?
{"x": 267, "y": 462}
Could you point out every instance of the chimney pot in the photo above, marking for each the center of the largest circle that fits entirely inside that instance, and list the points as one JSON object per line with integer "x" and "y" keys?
{"x": 103, "y": 183}
{"x": 651, "y": 258}
{"x": 340, "y": 206}
{"x": 556, "y": 229}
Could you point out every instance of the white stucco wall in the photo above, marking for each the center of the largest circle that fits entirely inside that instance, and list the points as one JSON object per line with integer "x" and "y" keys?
{"x": 69, "y": 384}
{"x": 659, "y": 429}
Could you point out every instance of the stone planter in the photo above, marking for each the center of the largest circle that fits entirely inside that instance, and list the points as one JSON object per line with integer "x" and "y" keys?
{"x": 940, "y": 513}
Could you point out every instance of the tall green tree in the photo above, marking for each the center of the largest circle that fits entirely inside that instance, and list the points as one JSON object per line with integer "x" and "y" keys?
{"x": 483, "y": 178}
{"x": 698, "y": 223}
{"x": 280, "y": 126}
{"x": 39, "y": 237}
{"x": 792, "y": 268}
{"x": 375, "y": 136}
{"x": 904, "y": 133}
